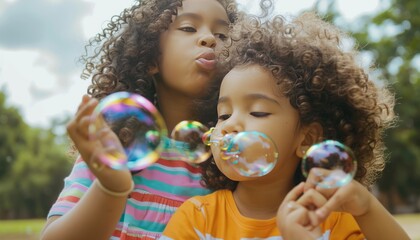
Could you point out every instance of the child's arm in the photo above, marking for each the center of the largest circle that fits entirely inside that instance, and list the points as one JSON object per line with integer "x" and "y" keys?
{"x": 374, "y": 220}
{"x": 93, "y": 217}
{"x": 96, "y": 214}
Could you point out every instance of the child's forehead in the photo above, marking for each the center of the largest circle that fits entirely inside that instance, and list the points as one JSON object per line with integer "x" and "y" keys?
{"x": 198, "y": 9}
{"x": 249, "y": 80}
{"x": 259, "y": 74}
{"x": 197, "y": 17}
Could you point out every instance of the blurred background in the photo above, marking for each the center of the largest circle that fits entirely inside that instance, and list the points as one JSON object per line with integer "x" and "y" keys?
{"x": 40, "y": 89}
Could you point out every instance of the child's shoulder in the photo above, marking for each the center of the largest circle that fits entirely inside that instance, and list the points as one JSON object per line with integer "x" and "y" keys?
{"x": 210, "y": 202}
{"x": 211, "y": 198}
{"x": 209, "y": 208}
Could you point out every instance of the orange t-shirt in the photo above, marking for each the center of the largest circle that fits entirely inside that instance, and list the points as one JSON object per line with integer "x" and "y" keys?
{"x": 216, "y": 216}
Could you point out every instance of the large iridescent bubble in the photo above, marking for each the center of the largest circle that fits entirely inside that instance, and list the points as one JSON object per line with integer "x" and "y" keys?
{"x": 251, "y": 153}
{"x": 334, "y": 162}
{"x": 143, "y": 133}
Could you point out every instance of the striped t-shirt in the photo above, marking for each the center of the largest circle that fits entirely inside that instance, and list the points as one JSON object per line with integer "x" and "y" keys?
{"x": 159, "y": 190}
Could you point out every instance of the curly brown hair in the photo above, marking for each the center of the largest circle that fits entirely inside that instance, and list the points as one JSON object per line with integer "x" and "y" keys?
{"x": 125, "y": 51}
{"x": 324, "y": 83}
{"x": 120, "y": 57}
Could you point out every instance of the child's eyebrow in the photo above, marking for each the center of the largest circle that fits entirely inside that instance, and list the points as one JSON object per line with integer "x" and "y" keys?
{"x": 257, "y": 96}
{"x": 198, "y": 17}
{"x": 253, "y": 96}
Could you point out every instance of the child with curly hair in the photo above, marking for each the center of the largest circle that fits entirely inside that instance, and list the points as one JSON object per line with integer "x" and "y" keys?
{"x": 293, "y": 82}
{"x": 164, "y": 50}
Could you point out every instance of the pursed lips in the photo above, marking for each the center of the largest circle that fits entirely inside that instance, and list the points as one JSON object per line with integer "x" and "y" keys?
{"x": 207, "y": 61}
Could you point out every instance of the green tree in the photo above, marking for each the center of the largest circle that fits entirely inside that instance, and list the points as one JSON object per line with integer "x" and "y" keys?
{"x": 398, "y": 54}
{"x": 33, "y": 165}
{"x": 391, "y": 38}
{"x": 9, "y": 119}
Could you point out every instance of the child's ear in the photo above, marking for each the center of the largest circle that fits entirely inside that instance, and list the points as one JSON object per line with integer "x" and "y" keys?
{"x": 153, "y": 69}
{"x": 311, "y": 134}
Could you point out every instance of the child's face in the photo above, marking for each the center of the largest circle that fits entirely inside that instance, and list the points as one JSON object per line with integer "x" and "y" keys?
{"x": 249, "y": 100}
{"x": 187, "y": 60}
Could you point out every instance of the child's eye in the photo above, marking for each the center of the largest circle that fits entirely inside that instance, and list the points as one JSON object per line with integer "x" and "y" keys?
{"x": 187, "y": 29}
{"x": 223, "y": 117}
{"x": 221, "y": 36}
{"x": 260, "y": 114}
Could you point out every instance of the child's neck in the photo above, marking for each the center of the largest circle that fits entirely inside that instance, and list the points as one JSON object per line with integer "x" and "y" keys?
{"x": 174, "y": 109}
{"x": 255, "y": 201}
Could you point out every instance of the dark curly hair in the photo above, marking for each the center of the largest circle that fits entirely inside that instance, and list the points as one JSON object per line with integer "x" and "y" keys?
{"x": 323, "y": 82}
{"x": 120, "y": 57}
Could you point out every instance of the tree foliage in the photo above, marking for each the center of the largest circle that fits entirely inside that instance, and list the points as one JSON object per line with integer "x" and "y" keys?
{"x": 32, "y": 166}
{"x": 391, "y": 37}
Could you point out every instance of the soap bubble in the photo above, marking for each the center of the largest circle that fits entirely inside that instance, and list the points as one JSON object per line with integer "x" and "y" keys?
{"x": 334, "y": 162}
{"x": 140, "y": 128}
{"x": 186, "y": 143}
{"x": 143, "y": 133}
{"x": 251, "y": 153}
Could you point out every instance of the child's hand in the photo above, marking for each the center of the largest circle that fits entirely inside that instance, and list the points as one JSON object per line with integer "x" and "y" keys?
{"x": 353, "y": 197}
{"x": 91, "y": 149}
{"x": 295, "y": 218}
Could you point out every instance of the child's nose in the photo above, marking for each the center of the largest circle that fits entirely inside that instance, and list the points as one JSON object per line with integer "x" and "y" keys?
{"x": 232, "y": 125}
{"x": 207, "y": 40}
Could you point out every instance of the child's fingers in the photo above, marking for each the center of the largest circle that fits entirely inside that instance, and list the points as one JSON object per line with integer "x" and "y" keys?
{"x": 327, "y": 192}
{"x": 102, "y": 155}
{"x": 83, "y": 127}
{"x": 86, "y": 108}
{"x": 109, "y": 139}
{"x": 331, "y": 205}
{"x": 99, "y": 126}
{"x": 314, "y": 220}
{"x": 312, "y": 199}
{"x": 85, "y": 99}
{"x": 79, "y": 124}
{"x": 303, "y": 223}
{"x": 294, "y": 193}
{"x": 353, "y": 198}
{"x": 294, "y": 215}
{"x": 299, "y": 215}
{"x": 289, "y": 203}
{"x": 315, "y": 176}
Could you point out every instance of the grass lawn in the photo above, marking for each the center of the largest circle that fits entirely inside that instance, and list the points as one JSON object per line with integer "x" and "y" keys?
{"x": 31, "y": 228}
{"x": 21, "y": 229}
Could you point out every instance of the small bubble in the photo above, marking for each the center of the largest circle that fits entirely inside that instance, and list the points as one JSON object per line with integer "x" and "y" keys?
{"x": 333, "y": 164}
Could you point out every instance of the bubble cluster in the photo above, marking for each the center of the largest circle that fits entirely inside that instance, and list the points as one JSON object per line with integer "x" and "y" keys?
{"x": 333, "y": 164}
{"x": 254, "y": 154}
{"x": 143, "y": 136}
{"x": 143, "y": 133}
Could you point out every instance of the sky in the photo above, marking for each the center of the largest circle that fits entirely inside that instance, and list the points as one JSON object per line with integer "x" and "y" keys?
{"x": 42, "y": 40}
